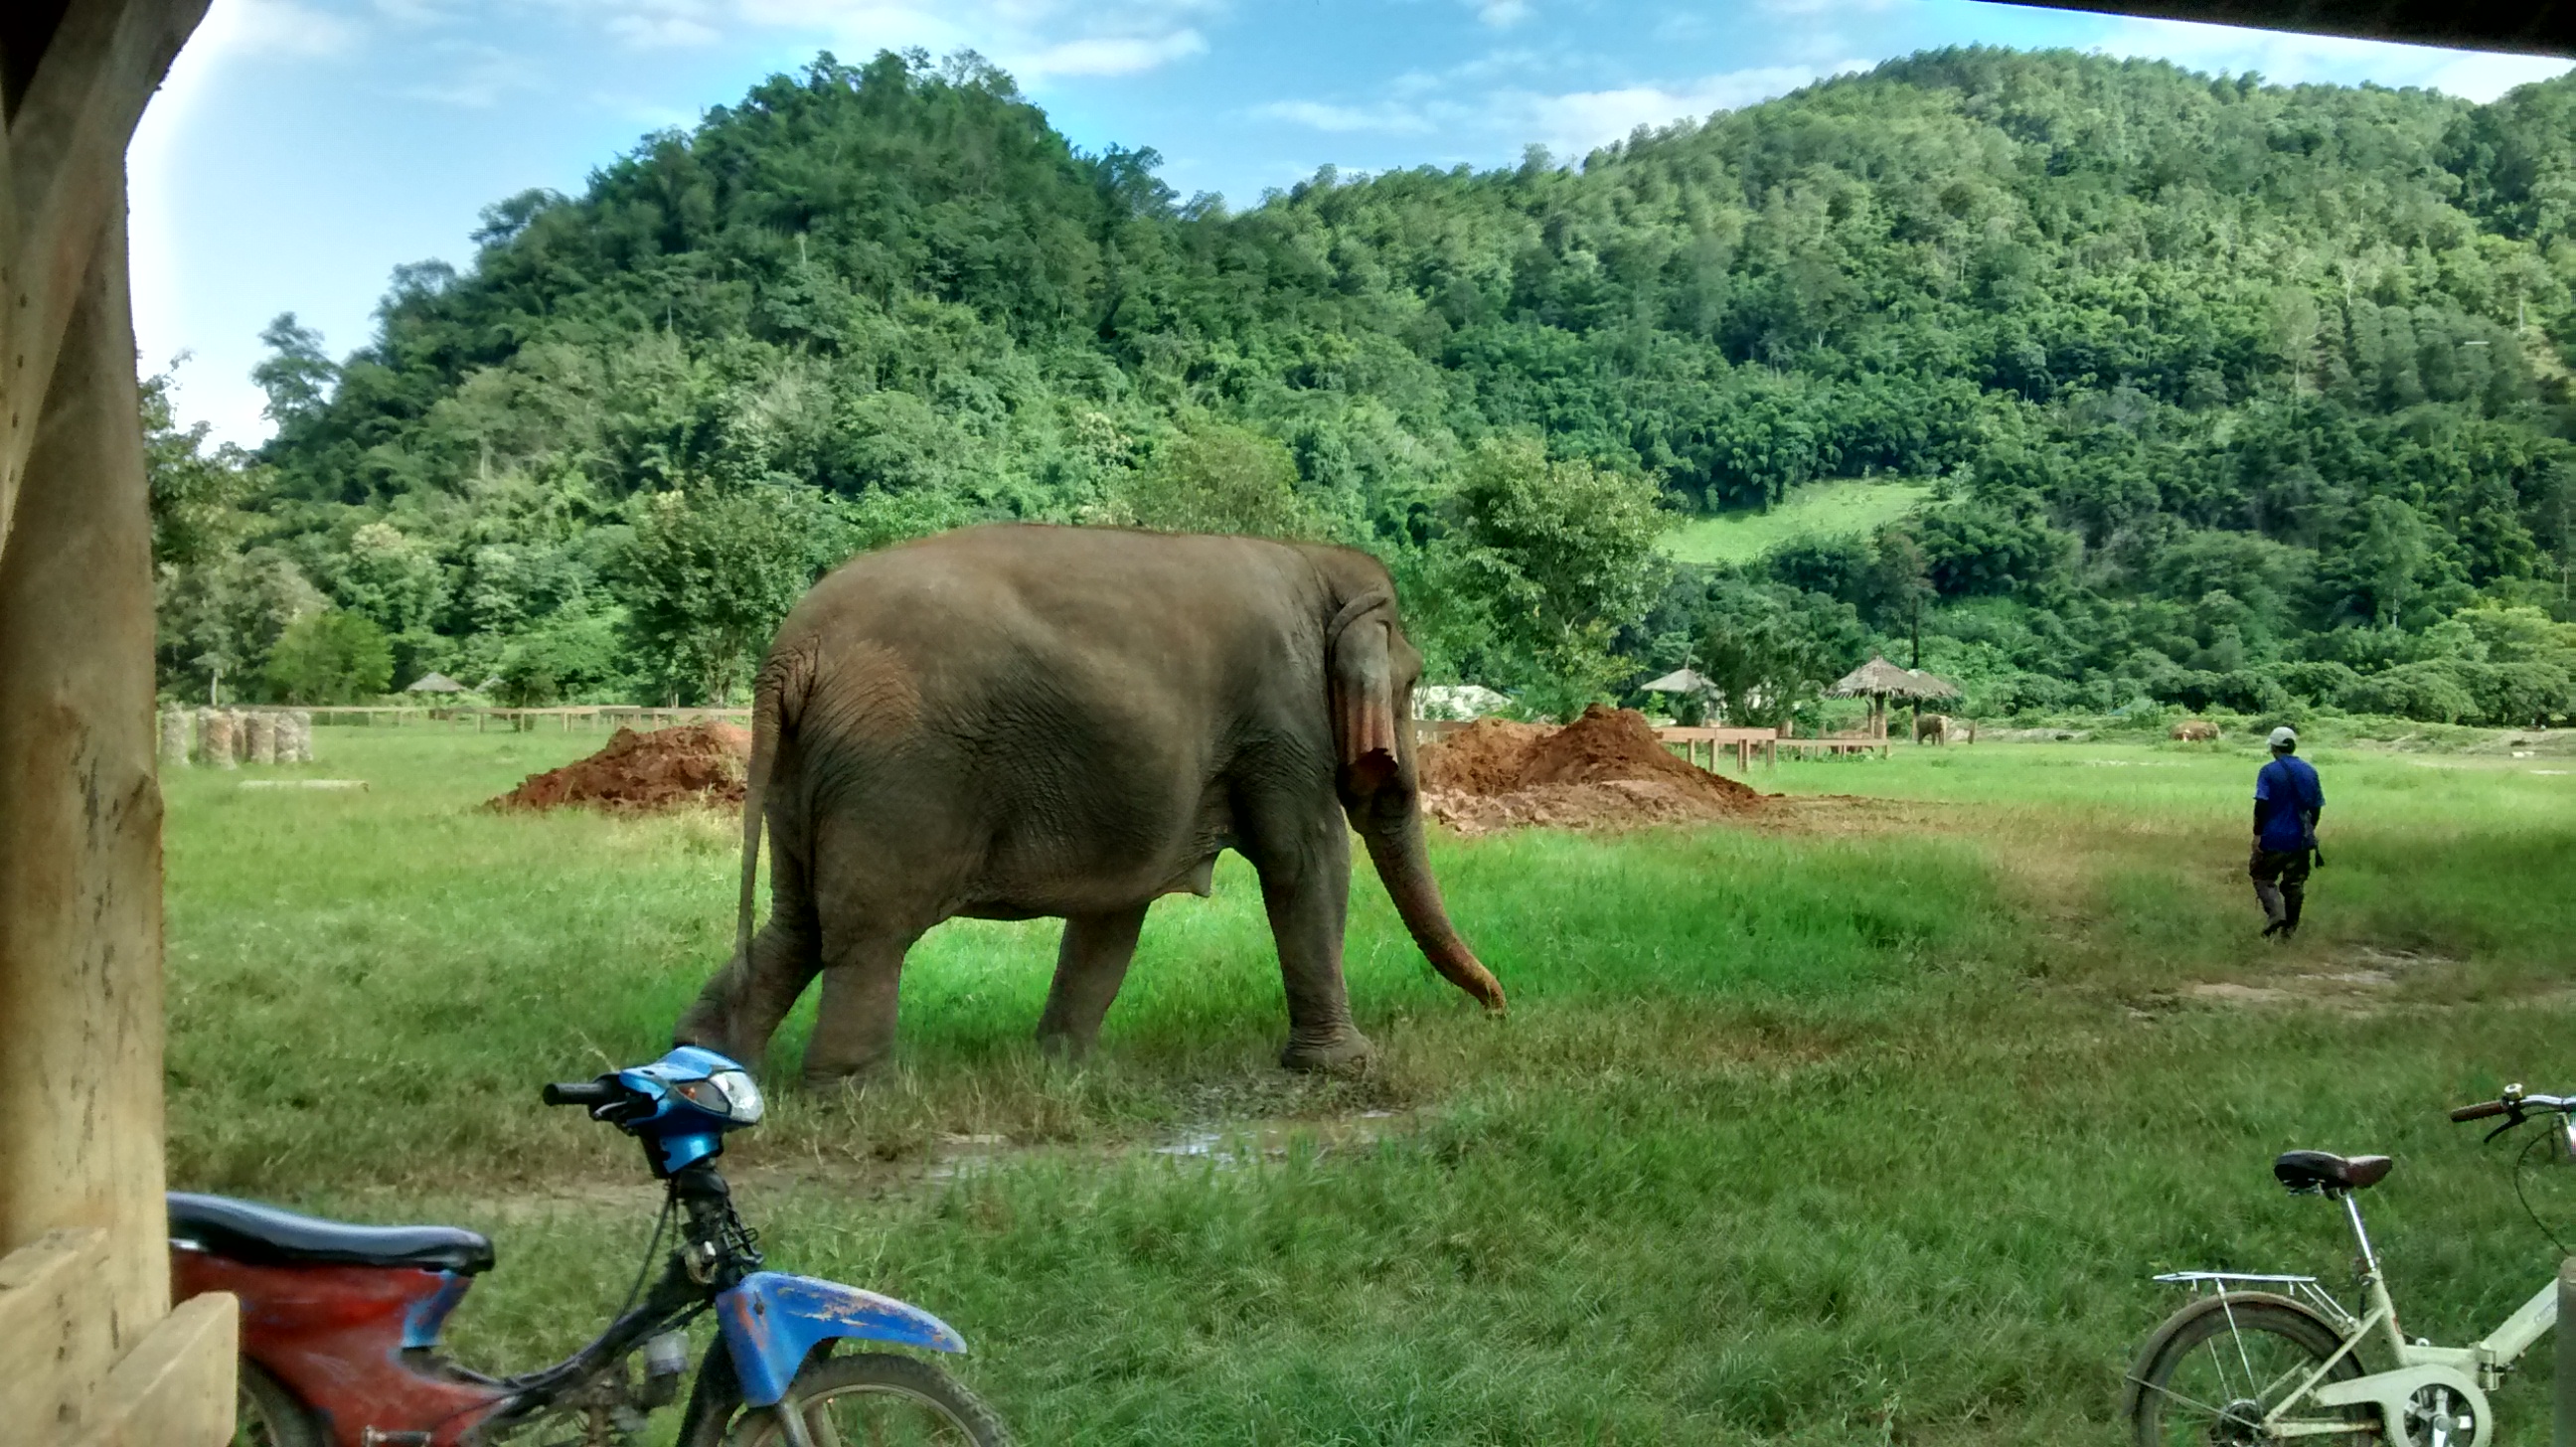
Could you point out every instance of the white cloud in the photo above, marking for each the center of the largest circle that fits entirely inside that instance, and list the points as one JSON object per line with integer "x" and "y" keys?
{"x": 284, "y": 28}
{"x": 2287, "y": 59}
{"x": 485, "y": 75}
{"x": 652, "y": 32}
{"x": 1569, "y": 124}
{"x": 1035, "y": 40}
{"x": 1341, "y": 119}
{"x": 1504, "y": 14}
{"x": 1572, "y": 124}
{"x": 1109, "y": 55}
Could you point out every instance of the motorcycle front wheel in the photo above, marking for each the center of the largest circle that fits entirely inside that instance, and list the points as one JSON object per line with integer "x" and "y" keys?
{"x": 875, "y": 1398}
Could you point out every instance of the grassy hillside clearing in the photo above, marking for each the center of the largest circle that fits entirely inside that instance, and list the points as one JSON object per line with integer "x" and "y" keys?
{"x": 1866, "y": 1124}
{"x": 1846, "y": 507}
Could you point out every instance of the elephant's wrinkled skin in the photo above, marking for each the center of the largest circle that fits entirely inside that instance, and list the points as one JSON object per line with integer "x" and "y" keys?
{"x": 1015, "y": 721}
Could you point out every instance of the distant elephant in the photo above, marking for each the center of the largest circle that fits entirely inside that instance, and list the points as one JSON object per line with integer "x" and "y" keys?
{"x": 1932, "y": 728}
{"x": 2193, "y": 730}
{"x": 1013, "y": 721}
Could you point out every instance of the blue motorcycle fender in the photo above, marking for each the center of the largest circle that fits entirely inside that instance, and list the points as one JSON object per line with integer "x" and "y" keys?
{"x": 771, "y": 1320}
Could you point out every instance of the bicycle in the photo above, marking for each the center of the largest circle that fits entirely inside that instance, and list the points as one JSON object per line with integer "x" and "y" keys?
{"x": 2276, "y": 1358}
{"x": 340, "y": 1323}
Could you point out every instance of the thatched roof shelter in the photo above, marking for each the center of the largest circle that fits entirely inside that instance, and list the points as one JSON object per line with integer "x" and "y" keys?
{"x": 1881, "y": 679}
{"x": 434, "y": 683}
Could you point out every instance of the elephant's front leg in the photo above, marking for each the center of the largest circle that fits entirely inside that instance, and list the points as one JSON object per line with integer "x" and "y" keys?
{"x": 1308, "y": 900}
{"x": 1089, "y": 966}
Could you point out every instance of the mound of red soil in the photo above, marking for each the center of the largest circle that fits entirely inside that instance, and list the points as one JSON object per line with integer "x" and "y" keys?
{"x": 1482, "y": 758}
{"x": 700, "y": 764}
{"x": 1605, "y": 770}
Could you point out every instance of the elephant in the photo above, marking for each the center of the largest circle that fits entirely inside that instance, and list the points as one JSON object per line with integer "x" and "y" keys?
{"x": 1932, "y": 728}
{"x": 1019, "y": 721}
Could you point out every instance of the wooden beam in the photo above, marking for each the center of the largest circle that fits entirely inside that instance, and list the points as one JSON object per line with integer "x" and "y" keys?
{"x": 176, "y": 1388}
{"x": 56, "y": 1337}
{"x": 65, "y": 168}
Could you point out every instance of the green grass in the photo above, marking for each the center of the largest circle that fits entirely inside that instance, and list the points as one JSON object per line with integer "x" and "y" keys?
{"x": 1865, "y": 1126}
{"x": 1838, "y": 508}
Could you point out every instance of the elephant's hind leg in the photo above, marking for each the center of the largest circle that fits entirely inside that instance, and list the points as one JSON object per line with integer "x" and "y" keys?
{"x": 1089, "y": 966}
{"x": 854, "y": 1022}
{"x": 742, "y": 1003}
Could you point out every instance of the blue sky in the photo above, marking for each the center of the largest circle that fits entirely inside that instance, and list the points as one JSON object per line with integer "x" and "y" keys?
{"x": 304, "y": 148}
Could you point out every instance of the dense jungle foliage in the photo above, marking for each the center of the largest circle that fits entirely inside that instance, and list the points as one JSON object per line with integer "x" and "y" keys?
{"x": 2233, "y": 395}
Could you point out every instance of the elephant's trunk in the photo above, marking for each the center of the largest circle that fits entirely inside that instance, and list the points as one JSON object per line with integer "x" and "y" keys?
{"x": 1394, "y": 839}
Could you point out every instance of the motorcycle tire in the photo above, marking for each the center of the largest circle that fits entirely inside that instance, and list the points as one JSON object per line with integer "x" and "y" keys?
{"x": 266, "y": 1414}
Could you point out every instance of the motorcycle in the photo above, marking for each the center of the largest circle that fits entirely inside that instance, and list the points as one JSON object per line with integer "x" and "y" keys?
{"x": 340, "y": 1323}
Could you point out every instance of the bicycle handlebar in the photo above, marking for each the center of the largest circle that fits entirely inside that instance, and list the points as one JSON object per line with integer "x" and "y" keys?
{"x": 2517, "y": 1103}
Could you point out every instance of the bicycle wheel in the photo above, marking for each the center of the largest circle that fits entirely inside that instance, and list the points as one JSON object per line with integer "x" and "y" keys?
{"x": 882, "y": 1401}
{"x": 2215, "y": 1369}
{"x": 266, "y": 1414}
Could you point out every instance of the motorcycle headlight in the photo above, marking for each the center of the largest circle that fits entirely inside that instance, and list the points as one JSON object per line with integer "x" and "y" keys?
{"x": 728, "y": 1095}
{"x": 740, "y": 1090}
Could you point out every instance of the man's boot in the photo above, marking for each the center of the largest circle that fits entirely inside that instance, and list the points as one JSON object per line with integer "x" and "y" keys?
{"x": 2275, "y": 909}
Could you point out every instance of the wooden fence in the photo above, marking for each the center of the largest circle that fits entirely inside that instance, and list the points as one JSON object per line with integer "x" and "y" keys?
{"x": 588, "y": 716}
{"x": 1745, "y": 744}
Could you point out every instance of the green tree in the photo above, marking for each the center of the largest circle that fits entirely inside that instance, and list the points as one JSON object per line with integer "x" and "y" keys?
{"x": 330, "y": 656}
{"x": 296, "y": 374}
{"x": 708, "y": 575}
{"x": 1213, "y": 478}
{"x": 1566, "y": 549}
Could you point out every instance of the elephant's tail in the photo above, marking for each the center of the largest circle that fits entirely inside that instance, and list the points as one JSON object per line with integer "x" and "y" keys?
{"x": 785, "y": 672}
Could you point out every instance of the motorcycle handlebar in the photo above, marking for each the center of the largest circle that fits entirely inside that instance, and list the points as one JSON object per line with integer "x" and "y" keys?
{"x": 583, "y": 1092}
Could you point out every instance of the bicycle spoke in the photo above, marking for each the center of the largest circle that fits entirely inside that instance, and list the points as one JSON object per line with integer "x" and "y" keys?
{"x": 2164, "y": 1391}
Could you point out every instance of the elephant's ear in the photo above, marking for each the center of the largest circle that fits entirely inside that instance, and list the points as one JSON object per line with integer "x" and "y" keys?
{"x": 1360, "y": 649}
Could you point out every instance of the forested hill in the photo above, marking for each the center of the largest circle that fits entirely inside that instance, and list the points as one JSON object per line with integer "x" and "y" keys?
{"x": 2233, "y": 394}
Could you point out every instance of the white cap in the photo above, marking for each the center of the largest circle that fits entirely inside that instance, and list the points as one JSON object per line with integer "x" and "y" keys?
{"x": 2284, "y": 739}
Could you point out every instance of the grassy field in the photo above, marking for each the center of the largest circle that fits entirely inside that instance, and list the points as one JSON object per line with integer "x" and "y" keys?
{"x": 1865, "y": 1124}
{"x": 1837, "y": 508}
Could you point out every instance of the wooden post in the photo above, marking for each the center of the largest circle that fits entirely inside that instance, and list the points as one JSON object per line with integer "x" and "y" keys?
{"x": 2563, "y": 1390}
{"x": 80, "y": 908}
{"x": 90, "y": 1351}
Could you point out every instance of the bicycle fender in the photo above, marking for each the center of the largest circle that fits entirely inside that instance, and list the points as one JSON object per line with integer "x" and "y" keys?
{"x": 772, "y": 1320}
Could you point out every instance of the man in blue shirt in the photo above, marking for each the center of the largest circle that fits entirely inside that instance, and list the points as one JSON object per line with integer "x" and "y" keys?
{"x": 2287, "y": 801}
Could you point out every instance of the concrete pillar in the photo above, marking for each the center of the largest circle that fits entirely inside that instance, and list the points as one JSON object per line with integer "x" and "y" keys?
{"x": 80, "y": 830}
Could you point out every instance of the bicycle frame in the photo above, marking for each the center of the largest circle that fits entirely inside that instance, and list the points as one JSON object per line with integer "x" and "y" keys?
{"x": 2470, "y": 1371}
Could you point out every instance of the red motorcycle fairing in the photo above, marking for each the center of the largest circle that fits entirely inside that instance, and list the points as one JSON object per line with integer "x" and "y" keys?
{"x": 334, "y": 1335}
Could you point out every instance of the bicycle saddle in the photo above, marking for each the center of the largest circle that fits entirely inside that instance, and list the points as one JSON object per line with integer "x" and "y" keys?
{"x": 258, "y": 1235}
{"x": 2305, "y": 1172}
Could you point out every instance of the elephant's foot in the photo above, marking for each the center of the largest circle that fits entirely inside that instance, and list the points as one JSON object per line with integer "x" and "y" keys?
{"x": 827, "y": 1078}
{"x": 1346, "y": 1051}
{"x": 706, "y": 1026}
{"x": 1065, "y": 1046}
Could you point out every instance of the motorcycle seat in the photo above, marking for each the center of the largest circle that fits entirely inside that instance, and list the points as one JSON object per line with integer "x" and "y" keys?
{"x": 258, "y": 1235}
{"x": 2307, "y": 1171}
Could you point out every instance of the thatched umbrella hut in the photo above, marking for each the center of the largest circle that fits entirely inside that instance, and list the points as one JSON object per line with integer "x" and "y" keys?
{"x": 1879, "y": 680}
